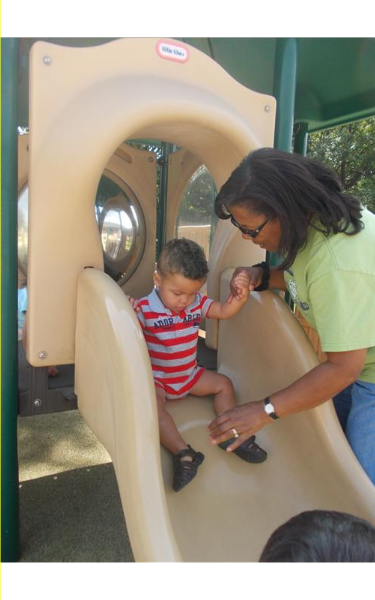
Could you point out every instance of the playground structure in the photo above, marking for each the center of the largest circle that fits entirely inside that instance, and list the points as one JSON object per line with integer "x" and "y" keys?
{"x": 79, "y": 119}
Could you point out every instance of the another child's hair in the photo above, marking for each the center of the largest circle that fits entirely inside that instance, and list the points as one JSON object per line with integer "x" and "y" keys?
{"x": 321, "y": 536}
{"x": 182, "y": 256}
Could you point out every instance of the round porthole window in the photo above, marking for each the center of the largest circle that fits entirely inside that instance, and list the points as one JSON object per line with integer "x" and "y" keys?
{"x": 121, "y": 227}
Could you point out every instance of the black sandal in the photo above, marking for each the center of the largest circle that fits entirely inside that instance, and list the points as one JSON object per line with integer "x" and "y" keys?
{"x": 185, "y": 470}
{"x": 248, "y": 451}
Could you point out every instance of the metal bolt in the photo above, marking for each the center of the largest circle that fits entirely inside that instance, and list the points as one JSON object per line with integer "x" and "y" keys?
{"x": 47, "y": 60}
{"x": 42, "y": 354}
{"x": 150, "y": 159}
{"x": 38, "y": 403}
{"x": 267, "y": 108}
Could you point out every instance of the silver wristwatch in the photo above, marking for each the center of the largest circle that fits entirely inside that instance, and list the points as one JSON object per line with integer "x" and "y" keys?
{"x": 269, "y": 408}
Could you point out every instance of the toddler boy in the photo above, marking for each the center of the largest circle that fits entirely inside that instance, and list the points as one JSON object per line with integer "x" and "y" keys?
{"x": 170, "y": 318}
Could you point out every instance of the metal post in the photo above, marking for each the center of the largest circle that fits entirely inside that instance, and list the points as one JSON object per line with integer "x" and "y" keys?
{"x": 301, "y": 136}
{"x": 284, "y": 90}
{"x": 9, "y": 393}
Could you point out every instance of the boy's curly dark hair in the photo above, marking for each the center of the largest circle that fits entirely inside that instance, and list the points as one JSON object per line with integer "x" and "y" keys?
{"x": 182, "y": 256}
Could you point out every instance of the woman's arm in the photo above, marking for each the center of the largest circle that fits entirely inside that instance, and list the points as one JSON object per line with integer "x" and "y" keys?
{"x": 321, "y": 383}
{"x": 277, "y": 281}
{"x": 316, "y": 387}
{"x": 227, "y": 309}
{"x": 255, "y": 275}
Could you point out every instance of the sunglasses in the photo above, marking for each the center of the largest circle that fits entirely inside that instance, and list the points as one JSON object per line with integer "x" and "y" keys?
{"x": 250, "y": 232}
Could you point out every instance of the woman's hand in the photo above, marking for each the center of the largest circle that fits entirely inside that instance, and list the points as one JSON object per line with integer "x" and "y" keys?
{"x": 253, "y": 274}
{"x": 246, "y": 419}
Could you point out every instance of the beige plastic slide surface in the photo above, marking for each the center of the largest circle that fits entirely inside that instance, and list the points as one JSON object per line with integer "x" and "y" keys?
{"x": 228, "y": 512}
{"x": 116, "y": 397}
{"x": 84, "y": 102}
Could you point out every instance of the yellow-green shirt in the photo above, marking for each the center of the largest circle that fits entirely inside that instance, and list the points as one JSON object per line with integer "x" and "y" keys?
{"x": 332, "y": 280}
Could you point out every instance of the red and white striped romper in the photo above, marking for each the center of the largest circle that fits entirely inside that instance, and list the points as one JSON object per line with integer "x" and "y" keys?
{"x": 172, "y": 342}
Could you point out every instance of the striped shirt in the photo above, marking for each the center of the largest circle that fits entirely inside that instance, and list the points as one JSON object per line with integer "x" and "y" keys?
{"x": 172, "y": 341}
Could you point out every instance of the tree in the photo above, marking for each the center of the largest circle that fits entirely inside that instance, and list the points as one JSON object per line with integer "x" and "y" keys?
{"x": 350, "y": 151}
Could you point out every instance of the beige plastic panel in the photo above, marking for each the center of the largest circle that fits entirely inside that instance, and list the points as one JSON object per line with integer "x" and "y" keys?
{"x": 138, "y": 169}
{"x": 116, "y": 397}
{"x": 230, "y": 509}
{"x": 83, "y": 103}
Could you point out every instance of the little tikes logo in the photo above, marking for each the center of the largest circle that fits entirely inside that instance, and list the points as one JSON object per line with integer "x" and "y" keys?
{"x": 175, "y": 51}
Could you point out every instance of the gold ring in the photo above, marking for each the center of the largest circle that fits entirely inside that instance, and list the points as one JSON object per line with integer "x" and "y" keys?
{"x": 235, "y": 433}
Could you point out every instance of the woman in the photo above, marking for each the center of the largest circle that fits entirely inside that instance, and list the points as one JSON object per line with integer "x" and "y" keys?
{"x": 295, "y": 206}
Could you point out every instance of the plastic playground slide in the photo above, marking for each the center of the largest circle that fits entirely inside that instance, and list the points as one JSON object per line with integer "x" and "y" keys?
{"x": 84, "y": 102}
{"x": 228, "y": 512}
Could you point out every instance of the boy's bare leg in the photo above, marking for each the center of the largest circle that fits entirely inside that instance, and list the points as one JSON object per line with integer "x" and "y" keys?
{"x": 212, "y": 382}
{"x": 169, "y": 435}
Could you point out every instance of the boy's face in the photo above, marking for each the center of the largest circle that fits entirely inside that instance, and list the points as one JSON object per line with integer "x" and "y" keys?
{"x": 176, "y": 291}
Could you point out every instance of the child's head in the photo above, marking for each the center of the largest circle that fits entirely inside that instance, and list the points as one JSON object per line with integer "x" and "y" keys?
{"x": 181, "y": 271}
{"x": 321, "y": 536}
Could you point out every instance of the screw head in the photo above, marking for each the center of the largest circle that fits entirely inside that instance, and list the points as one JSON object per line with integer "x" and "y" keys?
{"x": 267, "y": 108}
{"x": 38, "y": 403}
{"x": 42, "y": 354}
{"x": 47, "y": 60}
{"x": 150, "y": 159}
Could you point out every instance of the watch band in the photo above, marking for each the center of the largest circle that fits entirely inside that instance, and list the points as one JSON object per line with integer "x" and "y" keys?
{"x": 266, "y": 275}
{"x": 267, "y": 402}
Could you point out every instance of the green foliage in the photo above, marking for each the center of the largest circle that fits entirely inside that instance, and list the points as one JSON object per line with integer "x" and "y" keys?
{"x": 350, "y": 151}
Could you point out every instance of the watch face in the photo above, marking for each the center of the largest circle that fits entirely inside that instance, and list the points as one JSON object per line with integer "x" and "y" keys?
{"x": 269, "y": 408}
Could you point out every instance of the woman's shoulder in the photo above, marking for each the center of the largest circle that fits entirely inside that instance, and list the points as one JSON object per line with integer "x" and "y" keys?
{"x": 326, "y": 253}
{"x": 344, "y": 252}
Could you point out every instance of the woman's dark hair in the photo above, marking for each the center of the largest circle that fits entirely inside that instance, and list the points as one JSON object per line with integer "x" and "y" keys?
{"x": 182, "y": 256}
{"x": 299, "y": 191}
{"x": 321, "y": 536}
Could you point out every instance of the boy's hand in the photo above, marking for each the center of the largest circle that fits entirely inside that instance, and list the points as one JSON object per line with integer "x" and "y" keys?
{"x": 134, "y": 303}
{"x": 254, "y": 276}
{"x": 240, "y": 286}
{"x": 234, "y": 302}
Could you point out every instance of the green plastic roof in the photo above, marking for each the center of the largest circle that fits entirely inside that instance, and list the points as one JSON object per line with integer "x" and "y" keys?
{"x": 335, "y": 76}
